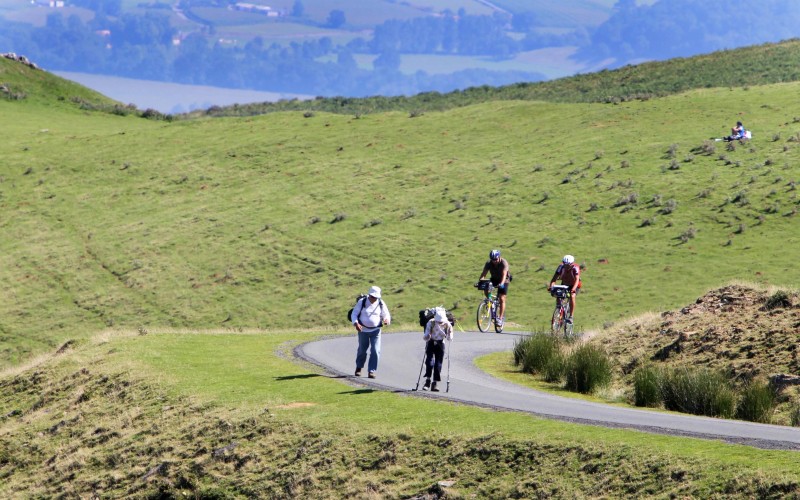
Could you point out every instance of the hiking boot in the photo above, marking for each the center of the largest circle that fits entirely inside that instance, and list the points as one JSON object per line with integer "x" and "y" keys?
{"x": 371, "y": 375}
{"x": 358, "y": 372}
{"x": 434, "y": 388}
{"x": 427, "y": 384}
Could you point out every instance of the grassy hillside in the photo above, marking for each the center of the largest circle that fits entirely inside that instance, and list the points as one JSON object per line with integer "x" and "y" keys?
{"x": 144, "y": 260}
{"x": 758, "y": 65}
{"x": 23, "y": 82}
{"x": 259, "y": 222}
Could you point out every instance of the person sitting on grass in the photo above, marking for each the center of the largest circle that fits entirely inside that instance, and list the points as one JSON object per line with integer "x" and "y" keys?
{"x": 737, "y": 133}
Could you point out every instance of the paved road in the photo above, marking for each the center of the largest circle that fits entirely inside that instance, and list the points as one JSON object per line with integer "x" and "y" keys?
{"x": 401, "y": 359}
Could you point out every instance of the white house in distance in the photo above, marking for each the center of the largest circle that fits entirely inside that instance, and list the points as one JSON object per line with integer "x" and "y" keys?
{"x": 53, "y": 4}
{"x": 259, "y": 9}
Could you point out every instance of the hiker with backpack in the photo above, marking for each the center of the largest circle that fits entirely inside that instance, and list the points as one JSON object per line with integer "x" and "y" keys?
{"x": 369, "y": 315}
{"x": 438, "y": 329}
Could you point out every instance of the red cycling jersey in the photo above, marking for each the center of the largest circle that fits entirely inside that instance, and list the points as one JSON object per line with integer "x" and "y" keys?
{"x": 569, "y": 274}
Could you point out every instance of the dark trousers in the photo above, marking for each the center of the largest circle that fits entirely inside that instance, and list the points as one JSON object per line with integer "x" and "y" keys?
{"x": 434, "y": 357}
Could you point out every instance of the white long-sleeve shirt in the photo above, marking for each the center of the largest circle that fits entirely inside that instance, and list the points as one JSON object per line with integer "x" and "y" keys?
{"x": 370, "y": 315}
{"x": 437, "y": 331}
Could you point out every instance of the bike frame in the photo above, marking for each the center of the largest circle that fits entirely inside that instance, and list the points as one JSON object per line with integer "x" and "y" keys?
{"x": 561, "y": 312}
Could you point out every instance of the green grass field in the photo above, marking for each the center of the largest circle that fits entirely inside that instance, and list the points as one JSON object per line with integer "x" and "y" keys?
{"x": 176, "y": 264}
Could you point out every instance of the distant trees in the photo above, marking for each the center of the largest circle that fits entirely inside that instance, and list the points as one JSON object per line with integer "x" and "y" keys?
{"x": 672, "y": 28}
{"x": 470, "y": 35}
{"x": 336, "y": 19}
{"x": 298, "y": 9}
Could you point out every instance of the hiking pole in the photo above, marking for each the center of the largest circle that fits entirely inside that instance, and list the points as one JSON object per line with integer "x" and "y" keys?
{"x": 420, "y": 372}
{"x": 449, "y": 344}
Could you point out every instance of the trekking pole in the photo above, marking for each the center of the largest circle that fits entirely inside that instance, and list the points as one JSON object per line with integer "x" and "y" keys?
{"x": 420, "y": 372}
{"x": 449, "y": 344}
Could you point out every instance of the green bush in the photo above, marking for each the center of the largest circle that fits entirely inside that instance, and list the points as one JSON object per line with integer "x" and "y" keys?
{"x": 756, "y": 403}
{"x": 699, "y": 392}
{"x": 556, "y": 368}
{"x": 647, "y": 382}
{"x": 587, "y": 368}
{"x": 534, "y": 353}
{"x": 794, "y": 415}
{"x": 777, "y": 300}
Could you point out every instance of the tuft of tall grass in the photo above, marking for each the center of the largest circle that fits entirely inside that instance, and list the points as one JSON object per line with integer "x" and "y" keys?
{"x": 534, "y": 353}
{"x": 647, "y": 382}
{"x": 794, "y": 415}
{"x": 587, "y": 368}
{"x": 699, "y": 392}
{"x": 756, "y": 403}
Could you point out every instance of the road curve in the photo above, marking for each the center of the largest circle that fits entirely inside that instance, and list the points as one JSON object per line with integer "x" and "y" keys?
{"x": 401, "y": 359}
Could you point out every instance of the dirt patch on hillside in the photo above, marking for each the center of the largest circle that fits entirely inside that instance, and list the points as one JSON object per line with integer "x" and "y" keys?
{"x": 741, "y": 330}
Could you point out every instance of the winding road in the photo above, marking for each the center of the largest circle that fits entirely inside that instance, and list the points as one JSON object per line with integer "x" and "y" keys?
{"x": 401, "y": 359}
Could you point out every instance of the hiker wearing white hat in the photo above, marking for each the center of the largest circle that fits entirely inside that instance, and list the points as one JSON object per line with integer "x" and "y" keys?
{"x": 369, "y": 316}
{"x": 437, "y": 331}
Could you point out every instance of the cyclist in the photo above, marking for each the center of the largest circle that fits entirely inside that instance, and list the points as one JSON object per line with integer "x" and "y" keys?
{"x": 500, "y": 277}
{"x": 570, "y": 275}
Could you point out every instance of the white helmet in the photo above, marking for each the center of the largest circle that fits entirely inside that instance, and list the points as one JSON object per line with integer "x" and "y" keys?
{"x": 568, "y": 259}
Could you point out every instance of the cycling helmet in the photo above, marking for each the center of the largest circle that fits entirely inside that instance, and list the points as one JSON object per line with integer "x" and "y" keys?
{"x": 568, "y": 259}
{"x": 494, "y": 254}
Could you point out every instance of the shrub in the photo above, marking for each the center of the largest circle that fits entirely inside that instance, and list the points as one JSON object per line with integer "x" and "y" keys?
{"x": 699, "y": 392}
{"x": 669, "y": 207}
{"x": 688, "y": 235}
{"x": 778, "y": 299}
{"x": 647, "y": 382}
{"x": 756, "y": 403}
{"x": 794, "y": 415}
{"x": 587, "y": 368}
{"x": 556, "y": 368}
{"x": 535, "y": 352}
{"x": 673, "y": 149}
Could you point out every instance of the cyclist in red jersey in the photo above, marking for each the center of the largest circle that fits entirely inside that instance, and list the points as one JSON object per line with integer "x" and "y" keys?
{"x": 570, "y": 275}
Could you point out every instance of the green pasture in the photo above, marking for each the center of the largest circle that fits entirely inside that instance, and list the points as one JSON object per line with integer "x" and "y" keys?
{"x": 114, "y": 221}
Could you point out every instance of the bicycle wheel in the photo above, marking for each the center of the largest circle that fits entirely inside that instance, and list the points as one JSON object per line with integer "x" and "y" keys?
{"x": 558, "y": 320}
{"x": 484, "y": 316}
{"x": 498, "y": 326}
{"x": 568, "y": 327}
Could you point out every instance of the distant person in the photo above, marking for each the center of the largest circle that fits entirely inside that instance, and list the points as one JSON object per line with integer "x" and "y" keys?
{"x": 437, "y": 331}
{"x": 369, "y": 316}
{"x": 738, "y": 132}
{"x": 498, "y": 269}
{"x": 570, "y": 275}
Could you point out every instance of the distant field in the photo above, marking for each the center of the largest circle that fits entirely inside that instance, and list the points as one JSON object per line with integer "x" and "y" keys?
{"x": 554, "y": 63}
{"x": 572, "y": 13}
{"x": 37, "y": 16}
{"x": 284, "y": 33}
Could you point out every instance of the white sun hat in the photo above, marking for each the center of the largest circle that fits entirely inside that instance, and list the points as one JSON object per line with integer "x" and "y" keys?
{"x": 375, "y": 291}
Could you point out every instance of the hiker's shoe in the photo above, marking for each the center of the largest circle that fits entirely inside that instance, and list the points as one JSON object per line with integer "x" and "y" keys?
{"x": 569, "y": 320}
{"x": 434, "y": 388}
{"x": 371, "y": 375}
{"x": 427, "y": 384}
{"x": 358, "y": 372}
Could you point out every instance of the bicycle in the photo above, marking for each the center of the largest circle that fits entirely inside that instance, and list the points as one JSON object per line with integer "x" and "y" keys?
{"x": 488, "y": 307}
{"x": 562, "y": 311}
